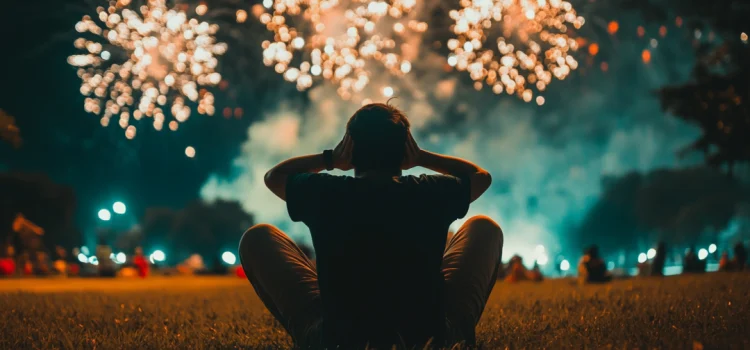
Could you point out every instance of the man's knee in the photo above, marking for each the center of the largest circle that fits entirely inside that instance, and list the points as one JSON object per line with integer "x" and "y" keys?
{"x": 485, "y": 227}
{"x": 256, "y": 238}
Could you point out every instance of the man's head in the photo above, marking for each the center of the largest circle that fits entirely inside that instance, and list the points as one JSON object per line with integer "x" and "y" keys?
{"x": 379, "y": 133}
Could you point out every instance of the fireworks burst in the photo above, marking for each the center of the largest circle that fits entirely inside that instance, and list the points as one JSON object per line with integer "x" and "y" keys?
{"x": 514, "y": 46}
{"x": 152, "y": 56}
{"x": 335, "y": 41}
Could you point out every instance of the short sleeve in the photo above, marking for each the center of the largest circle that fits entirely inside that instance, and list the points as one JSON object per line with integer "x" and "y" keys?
{"x": 452, "y": 194}
{"x": 303, "y": 195}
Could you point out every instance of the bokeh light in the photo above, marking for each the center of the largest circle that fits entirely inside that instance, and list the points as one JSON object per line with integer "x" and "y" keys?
{"x": 120, "y": 258}
{"x": 158, "y": 255}
{"x": 514, "y": 46}
{"x": 651, "y": 253}
{"x": 712, "y": 248}
{"x": 564, "y": 265}
{"x": 82, "y": 258}
{"x": 702, "y": 254}
{"x": 104, "y": 215}
{"x": 146, "y": 62}
{"x": 642, "y": 258}
{"x": 119, "y": 207}
{"x": 229, "y": 258}
{"x": 338, "y": 41}
{"x": 190, "y": 151}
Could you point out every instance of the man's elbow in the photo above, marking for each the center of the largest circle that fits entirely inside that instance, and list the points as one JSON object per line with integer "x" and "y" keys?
{"x": 486, "y": 180}
{"x": 268, "y": 179}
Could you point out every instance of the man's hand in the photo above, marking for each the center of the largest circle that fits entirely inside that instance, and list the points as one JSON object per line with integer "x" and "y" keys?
{"x": 411, "y": 154}
{"x": 342, "y": 154}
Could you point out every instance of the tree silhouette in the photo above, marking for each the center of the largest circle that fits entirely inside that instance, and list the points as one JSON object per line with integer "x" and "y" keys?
{"x": 717, "y": 96}
{"x": 203, "y": 228}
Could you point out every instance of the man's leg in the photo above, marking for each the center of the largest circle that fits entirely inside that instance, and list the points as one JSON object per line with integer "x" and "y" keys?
{"x": 284, "y": 279}
{"x": 470, "y": 266}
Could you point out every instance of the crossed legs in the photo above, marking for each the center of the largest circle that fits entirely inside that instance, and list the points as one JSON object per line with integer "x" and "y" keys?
{"x": 287, "y": 283}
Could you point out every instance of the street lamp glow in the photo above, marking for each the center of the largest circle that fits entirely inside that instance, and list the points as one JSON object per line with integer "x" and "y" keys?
{"x": 651, "y": 253}
{"x": 712, "y": 248}
{"x": 229, "y": 258}
{"x": 702, "y": 254}
{"x": 542, "y": 260}
{"x": 642, "y": 258}
{"x": 120, "y": 258}
{"x": 104, "y": 215}
{"x": 158, "y": 255}
{"x": 565, "y": 265}
{"x": 119, "y": 208}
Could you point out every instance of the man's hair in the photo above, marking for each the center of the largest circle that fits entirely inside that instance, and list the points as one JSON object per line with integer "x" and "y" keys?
{"x": 378, "y": 131}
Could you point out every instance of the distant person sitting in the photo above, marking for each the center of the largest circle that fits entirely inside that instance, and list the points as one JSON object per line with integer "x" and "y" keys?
{"x": 384, "y": 274}
{"x": 592, "y": 268}
{"x": 691, "y": 263}
{"x": 724, "y": 263}
{"x": 657, "y": 265}
{"x": 740, "y": 257}
{"x": 516, "y": 272}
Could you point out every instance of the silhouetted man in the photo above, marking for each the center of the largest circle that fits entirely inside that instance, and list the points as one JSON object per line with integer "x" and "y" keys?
{"x": 384, "y": 273}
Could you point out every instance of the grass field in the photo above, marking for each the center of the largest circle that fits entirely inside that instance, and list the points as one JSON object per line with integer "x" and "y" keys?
{"x": 672, "y": 313}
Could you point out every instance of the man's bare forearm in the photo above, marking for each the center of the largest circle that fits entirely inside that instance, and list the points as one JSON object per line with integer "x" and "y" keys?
{"x": 447, "y": 165}
{"x": 479, "y": 178}
{"x": 276, "y": 178}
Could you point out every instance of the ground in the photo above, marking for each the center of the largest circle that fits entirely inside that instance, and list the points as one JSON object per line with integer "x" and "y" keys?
{"x": 180, "y": 312}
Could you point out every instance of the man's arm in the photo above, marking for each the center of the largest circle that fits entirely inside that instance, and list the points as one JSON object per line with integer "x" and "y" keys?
{"x": 277, "y": 177}
{"x": 479, "y": 178}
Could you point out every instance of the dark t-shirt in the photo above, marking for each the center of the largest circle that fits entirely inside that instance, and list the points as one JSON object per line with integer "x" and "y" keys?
{"x": 379, "y": 245}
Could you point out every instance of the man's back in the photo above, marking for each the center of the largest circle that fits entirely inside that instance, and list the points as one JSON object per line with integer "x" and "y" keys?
{"x": 379, "y": 245}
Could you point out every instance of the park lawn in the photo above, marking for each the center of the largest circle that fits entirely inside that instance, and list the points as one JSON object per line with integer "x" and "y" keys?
{"x": 670, "y": 313}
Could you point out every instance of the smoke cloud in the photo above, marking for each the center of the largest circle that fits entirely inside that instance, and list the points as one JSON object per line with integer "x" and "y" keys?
{"x": 547, "y": 162}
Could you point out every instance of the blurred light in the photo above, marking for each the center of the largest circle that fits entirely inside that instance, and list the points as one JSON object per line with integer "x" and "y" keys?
{"x": 158, "y": 255}
{"x": 85, "y": 250}
{"x": 241, "y": 16}
{"x": 540, "y": 249}
{"x": 743, "y": 37}
{"x": 119, "y": 207}
{"x": 93, "y": 260}
{"x": 593, "y": 49}
{"x": 654, "y": 43}
{"x": 105, "y": 55}
{"x": 120, "y": 258}
{"x": 613, "y": 27}
{"x": 111, "y": 256}
{"x": 604, "y": 66}
{"x": 267, "y": 3}
{"x": 190, "y": 151}
{"x": 646, "y": 56}
{"x": 388, "y": 91}
{"x": 712, "y": 248}
{"x": 564, "y": 265}
{"x": 104, "y": 215}
{"x": 201, "y": 9}
{"x": 542, "y": 260}
{"x": 229, "y": 258}
{"x": 678, "y": 21}
{"x": 663, "y": 31}
{"x": 641, "y": 31}
{"x": 651, "y": 253}
{"x": 82, "y": 257}
{"x": 702, "y": 254}
{"x": 642, "y": 258}
{"x": 610, "y": 265}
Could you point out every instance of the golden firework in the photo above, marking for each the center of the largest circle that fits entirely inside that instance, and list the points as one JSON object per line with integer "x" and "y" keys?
{"x": 146, "y": 61}
{"x": 514, "y": 46}
{"x": 335, "y": 40}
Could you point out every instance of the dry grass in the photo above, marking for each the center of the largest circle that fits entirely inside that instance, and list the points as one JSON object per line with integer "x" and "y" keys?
{"x": 671, "y": 313}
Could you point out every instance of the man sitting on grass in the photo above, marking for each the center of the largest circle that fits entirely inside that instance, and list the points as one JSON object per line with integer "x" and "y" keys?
{"x": 384, "y": 274}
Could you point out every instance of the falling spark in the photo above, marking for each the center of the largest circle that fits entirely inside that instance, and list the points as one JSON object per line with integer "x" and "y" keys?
{"x": 515, "y": 46}
{"x": 307, "y": 45}
{"x": 148, "y": 61}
